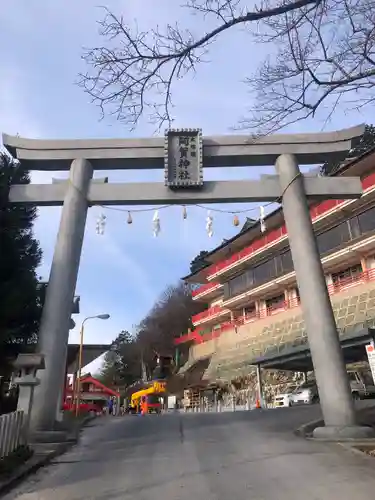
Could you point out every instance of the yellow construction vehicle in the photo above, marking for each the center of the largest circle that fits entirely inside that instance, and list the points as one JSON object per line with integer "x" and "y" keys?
{"x": 149, "y": 398}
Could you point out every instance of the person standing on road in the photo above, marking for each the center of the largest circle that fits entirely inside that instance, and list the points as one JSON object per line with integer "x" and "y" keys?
{"x": 144, "y": 405}
{"x": 110, "y": 406}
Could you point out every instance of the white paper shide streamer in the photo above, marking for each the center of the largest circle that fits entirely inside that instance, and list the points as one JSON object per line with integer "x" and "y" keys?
{"x": 209, "y": 224}
{"x": 101, "y": 221}
{"x": 156, "y": 224}
{"x": 261, "y": 220}
{"x": 100, "y": 224}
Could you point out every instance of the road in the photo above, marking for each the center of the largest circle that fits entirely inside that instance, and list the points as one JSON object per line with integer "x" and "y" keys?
{"x": 236, "y": 456}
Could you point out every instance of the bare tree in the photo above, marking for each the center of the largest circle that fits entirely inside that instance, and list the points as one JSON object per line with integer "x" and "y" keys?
{"x": 134, "y": 72}
{"x": 169, "y": 317}
{"x": 325, "y": 57}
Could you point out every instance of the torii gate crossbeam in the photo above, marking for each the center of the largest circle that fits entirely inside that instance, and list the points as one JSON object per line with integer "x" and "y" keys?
{"x": 219, "y": 151}
{"x": 156, "y": 193}
{"x": 76, "y": 195}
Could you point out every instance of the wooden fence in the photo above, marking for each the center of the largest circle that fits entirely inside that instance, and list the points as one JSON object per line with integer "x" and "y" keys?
{"x": 11, "y": 435}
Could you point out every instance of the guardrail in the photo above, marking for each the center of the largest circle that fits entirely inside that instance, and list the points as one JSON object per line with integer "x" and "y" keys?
{"x": 11, "y": 435}
{"x": 221, "y": 407}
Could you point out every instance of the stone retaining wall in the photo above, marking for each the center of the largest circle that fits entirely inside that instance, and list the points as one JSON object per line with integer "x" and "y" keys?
{"x": 232, "y": 353}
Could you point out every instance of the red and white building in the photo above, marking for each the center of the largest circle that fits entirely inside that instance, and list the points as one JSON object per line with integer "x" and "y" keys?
{"x": 93, "y": 394}
{"x": 249, "y": 284}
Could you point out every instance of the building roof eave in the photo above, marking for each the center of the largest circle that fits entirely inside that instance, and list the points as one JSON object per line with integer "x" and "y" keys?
{"x": 272, "y": 219}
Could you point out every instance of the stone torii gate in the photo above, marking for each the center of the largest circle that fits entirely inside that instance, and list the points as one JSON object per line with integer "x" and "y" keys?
{"x": 182, "y": 153}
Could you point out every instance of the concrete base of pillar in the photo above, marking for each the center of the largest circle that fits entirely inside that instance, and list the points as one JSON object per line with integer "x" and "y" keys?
{"x": 335, "y": 433}
{"x": 49, "y": 437}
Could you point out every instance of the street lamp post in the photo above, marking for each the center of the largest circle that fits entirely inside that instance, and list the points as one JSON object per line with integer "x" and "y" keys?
{"x": 77, "y": 399}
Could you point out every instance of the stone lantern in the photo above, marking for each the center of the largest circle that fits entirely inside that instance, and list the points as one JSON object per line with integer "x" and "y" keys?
{"x": 26, "y": 368}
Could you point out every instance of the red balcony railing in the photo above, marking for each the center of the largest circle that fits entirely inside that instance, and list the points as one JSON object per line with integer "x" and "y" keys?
{"x": 228, "y": 325}
{"x": 204, "y": 288}
{"x": 212, "y": 311}
{"x": 188, "y": 337}
{"x": 337, "y": 287}
{"x": 349, "y": 281}
{"x": 268, "y": 239}
{"x": 275, "y": 235}
{"x": 268, "y": 311}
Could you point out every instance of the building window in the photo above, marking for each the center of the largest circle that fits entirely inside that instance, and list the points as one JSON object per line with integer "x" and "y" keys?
{"x": 355, "y": 230}
{"x": 249, "y": 311}
{"x": 238, "y": 284}
{"x": 276, "y": 302}
{"x": 333, "y": 238}
{"x": 347, "y": 276}
{"x": 265, "y": 272}
{"x": 366, "y": 220}
{"x": 362, "y": 223}
{"x": 287, "y": 262}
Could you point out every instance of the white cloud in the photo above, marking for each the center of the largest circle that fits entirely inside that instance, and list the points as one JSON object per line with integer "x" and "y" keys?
{"x": 108, "y": 251}
{"x": 14, "y": 115}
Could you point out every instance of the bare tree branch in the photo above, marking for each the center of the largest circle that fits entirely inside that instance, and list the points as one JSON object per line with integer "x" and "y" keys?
{"x": 135, "y": 71}
{"x": 324, "y": 55}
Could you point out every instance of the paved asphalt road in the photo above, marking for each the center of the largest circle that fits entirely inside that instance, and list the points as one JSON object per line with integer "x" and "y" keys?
{"x": 227, "y": 456}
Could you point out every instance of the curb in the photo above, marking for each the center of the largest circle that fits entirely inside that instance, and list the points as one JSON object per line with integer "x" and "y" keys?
{"x": 31, "y": 466}
{"x": 306, "y": 430}
{"x": 36, "y": 461}
{"x": 342, "y": 440}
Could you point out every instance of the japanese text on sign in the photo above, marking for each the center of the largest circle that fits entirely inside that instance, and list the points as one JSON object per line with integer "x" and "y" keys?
{"x": 183, "y": 158}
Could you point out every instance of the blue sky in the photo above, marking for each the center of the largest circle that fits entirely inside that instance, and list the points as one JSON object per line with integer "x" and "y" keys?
{"x": 124, "y": 271}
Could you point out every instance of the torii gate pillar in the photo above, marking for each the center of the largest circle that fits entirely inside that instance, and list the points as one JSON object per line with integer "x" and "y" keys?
{"x": 55, "y": 323}
{"x": 326, "y": 353}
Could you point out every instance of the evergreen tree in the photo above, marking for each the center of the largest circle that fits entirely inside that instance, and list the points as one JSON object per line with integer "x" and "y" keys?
{"x": 20, "y": 255}
{"x": 122, "y": 364}
{"x": 366, "y": 143}
{"x": 198, "y": 262}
